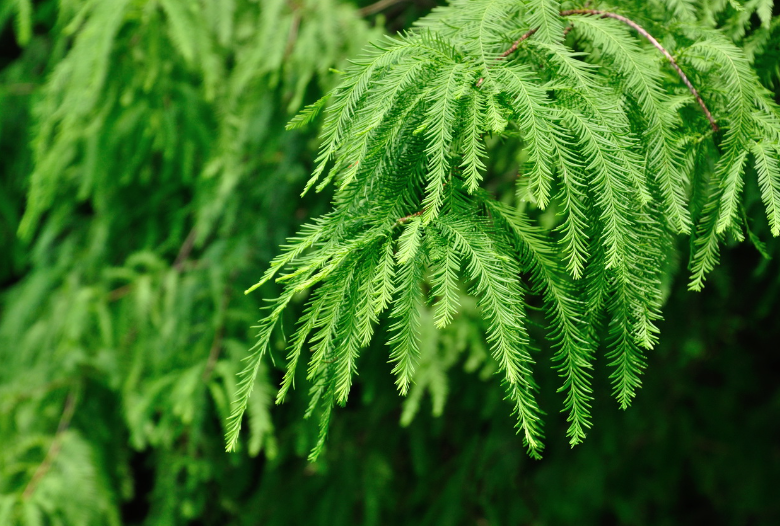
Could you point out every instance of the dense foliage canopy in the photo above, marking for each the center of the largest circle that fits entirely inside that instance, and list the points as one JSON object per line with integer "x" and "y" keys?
{"x": 606, "y": 146}
{"x": 505, "y": 200}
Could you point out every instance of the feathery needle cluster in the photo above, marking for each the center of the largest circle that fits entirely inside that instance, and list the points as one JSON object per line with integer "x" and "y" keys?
{"x": 615, "y": 132}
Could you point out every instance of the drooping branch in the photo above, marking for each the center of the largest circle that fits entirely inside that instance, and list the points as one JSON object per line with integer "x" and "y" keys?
{"x": 642, "y": 31}
{"x": 639, "y": 29}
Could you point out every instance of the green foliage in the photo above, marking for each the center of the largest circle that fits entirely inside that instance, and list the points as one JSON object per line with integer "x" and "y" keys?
{"x": 145, "y": 177}
{"x": 604, "y": 141}
{"x": 155, "y": 134}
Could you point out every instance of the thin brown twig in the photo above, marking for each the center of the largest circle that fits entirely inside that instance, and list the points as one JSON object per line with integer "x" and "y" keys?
{"x": 517, "y": 42}
{"x": 293, "y": 35}
{"x": 642, "y": 31}
{"x": 55, "y": 447}
{"x": 410, "y": 216}
{"x": 216, "y": 349}
{"x": 377, "y": 7}
{"x": 511, "y": 50}
{"x": 184, "y": 251}
{"x": 178, "y": 264}
{"x": 216, "y": 344}
{"x": 120, "y": 292}
{"x": 22, "y": 88}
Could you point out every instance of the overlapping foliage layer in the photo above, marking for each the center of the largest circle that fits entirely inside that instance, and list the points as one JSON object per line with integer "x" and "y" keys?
{"x": 146, "y": 177}
{"x": 157, "y": 168}
{"x": 610, "y": 137}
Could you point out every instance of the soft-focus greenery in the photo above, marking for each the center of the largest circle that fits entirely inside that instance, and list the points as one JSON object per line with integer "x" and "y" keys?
{"x": 146, "y": 180}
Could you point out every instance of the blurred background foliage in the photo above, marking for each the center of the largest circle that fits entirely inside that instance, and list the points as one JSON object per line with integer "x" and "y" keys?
{"x": 146, "y": 180}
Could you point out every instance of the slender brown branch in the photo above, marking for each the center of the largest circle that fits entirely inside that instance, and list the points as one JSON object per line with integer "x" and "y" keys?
{"x": 642, "y": 31}
{"x": 178, "y": 265}
{"x": 214, "y": 352}
{"x": 184, "y": 251}
{"x": 410, "y": 216}
{"x": 292, "y": 37}
{"x": 216, "y": 344}
{"x": 120, "y": 292}
{"x": 24, "y": 88}
{"x": 377, "y": 7}
{"x": 54, "y": 448}
{"x": 511, "y": 49}
{"x": 517, "y": 42}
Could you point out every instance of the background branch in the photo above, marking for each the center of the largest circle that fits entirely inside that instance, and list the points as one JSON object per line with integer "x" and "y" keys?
{"x": 56, "y": 445}
{"x": 377, "y": 7}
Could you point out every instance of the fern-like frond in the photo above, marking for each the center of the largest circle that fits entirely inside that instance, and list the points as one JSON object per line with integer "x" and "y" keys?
{"x": 249, "y": 374}
{"x": 445, "y": 264}
{"x": 533, "y": 115}
{"x": 573, "y": 196}
{"x": 405, "y": 329}
{"x": 347, "y": 98}
{"x": 543, "y": 14}
{"x": 473, "y": 146}
{"x": 619, "y": 146}
{"x": 768, "y": 170}
{"x": 707, "y": 243}
{"x": 500, "y": 298}
{"x": 439, "y": 124}
{"x": 613, "y": 195}
{"x": 640, "y": 72}
{"x": 740, "y": 83}
{"x": 566, "y": 313}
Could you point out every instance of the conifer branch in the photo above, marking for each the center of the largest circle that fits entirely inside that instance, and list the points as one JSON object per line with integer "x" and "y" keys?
{"x": 642, "y": 31}
{"x": 405, "y": 131}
